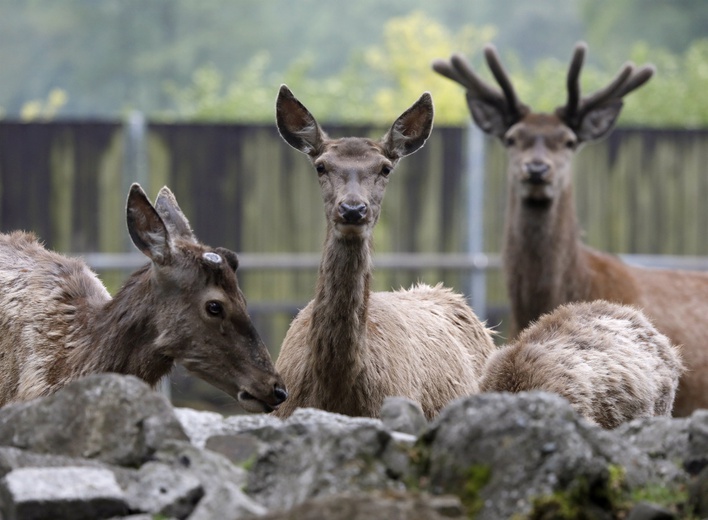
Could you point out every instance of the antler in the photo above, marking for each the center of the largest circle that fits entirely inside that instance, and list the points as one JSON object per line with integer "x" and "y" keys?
{"x": 627, "y": 79}
{"x": 481, "y": 94}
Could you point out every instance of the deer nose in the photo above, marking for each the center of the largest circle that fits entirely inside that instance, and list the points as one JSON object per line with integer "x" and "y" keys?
{"x": 352, "y": 213}
{"x": 280, "y": 394}
{"x": 537, "y": 171}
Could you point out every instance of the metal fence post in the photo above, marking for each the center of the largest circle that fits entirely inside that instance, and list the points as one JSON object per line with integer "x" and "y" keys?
{"x": 135, "y": 164}
{"x": 135, "y": 169}
{"x": 474, "y": 178}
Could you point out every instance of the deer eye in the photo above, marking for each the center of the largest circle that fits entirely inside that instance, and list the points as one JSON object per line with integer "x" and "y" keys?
{"x": 385, "y": 170}
{"x": 320, "y": 167}
{"x": 214, "y": 308}
{"x": 509, "y": 141}
{"x": 570, "y": 143}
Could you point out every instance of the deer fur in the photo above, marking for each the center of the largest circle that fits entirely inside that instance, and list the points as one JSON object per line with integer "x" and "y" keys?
{"x": 607, "y": 359}
{"x": 58, "y": 322}
{"x": 545, "y": 260}
{"x": 351, "y": 347}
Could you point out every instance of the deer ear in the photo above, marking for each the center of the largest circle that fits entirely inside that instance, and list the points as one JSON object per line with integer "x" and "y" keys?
{"x": 487, "y": 116}
{"x": 599, "y": 121}
{"x": 172, "y": 216}
{"x": 410, "y": 131}
{"x": 146, "y": 228}
{"x": 296, "y": 125}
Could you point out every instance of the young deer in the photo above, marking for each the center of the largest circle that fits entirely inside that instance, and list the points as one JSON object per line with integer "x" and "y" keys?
{"x": 545, "y": 261}
{"x": 350, "y": 347}
{"x": 58, "y": 322}
{"x": 607, "y": 359}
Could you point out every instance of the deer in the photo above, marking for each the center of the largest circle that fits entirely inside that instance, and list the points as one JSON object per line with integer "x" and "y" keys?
{"x": 351, "y": 347}
{"x": 58, "y": 322}
{"x": 545, "y": 261}
{"x": 608, "y": 360}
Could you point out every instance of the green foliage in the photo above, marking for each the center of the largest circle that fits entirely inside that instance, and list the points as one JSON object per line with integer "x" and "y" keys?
{"x": 348, "y": 61}
{"x": 44, "y": 109}
{"x": 376, "y": 84}
{"x": 477, "y": 477}
{"x": 584, "y": 501}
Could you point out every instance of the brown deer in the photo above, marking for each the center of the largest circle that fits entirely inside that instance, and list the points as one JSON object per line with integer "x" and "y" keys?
{"x": 58, "y": 322}
{"x": 350, "y": 347}
{"x": 545, "y": 262}
{"x": 607, "y": 359}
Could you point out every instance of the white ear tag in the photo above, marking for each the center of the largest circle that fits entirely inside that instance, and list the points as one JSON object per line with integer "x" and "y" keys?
{"x": 212, "y": 257}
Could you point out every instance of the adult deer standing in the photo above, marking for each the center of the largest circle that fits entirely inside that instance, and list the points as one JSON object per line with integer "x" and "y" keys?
{"x": 58, "y": 322}
{"x": 545, "y": 262}
{"x": 350, "y": 347}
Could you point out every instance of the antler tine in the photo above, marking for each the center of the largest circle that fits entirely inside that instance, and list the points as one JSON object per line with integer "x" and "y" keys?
{"x": 494, "y": 110}
{"x": 638, "y": 78}
{"x": 458, "y": 69}
{"x": 446, "y": 69}
{"x": 627, "y": 79}
{"x": 516, "y": 108}
{"x": 613, "y": 89}
{"x": 570, "y": 109}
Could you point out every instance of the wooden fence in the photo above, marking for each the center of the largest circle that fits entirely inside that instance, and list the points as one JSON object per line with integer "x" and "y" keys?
{"x": 639, "y": 191}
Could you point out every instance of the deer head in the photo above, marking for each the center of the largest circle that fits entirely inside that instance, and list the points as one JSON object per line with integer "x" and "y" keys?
{"x": 197, "y": 306}
{"x": 353, "y": 171}
{"x": 541, "y": 146}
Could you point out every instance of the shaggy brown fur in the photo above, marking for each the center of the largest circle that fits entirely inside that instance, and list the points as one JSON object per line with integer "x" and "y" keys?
{"x": 350, "y": 348}
{"x": 545, "y": 261}
{"x": 58, "y": 322}
{"x": 608, "y": 360}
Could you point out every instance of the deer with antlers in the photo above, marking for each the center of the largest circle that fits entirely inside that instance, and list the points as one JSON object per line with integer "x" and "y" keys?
{"x": 545, "y": 261}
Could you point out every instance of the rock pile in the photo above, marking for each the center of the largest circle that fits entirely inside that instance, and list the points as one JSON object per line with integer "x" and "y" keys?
{"x": 108, "y": 446}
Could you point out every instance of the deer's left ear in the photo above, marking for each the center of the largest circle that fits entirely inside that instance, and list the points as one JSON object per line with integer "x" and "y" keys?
{"x": 175, "y": 221}
{"x": 599, "y": 121}
{"x": 410, "y": 131}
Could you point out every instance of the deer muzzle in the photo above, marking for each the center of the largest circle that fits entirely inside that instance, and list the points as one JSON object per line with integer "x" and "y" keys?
{"x": 263, "y": 400}
{"x": 536, "y": 172}
{"x": 353, "y": 213}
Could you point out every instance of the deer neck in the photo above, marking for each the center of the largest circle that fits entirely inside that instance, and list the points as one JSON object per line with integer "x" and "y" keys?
{"x": 338, "y": 330}
{"x": 124, "y": 334}
{"x": 543, "y": 257}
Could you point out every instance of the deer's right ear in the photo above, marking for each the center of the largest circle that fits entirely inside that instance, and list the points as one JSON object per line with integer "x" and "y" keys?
{"x": 296, "y": 125}
{"x": 487, "y": 116}
{"x": 147, "y": 229}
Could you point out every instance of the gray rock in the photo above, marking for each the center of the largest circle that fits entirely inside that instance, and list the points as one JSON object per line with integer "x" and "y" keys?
{"x": 157, "y": 488}
{"x": 659, "y": 437}
{"x": 61, "y": 493}
{"x": 664, "y": 440}
{"x": 15, "y": 458}
{"x": 241, "y": 448}
{"x": 697, "y": 452}
{"x": 698, "y": 494}
{"x": 113, "y": 418}
{"x": 221, "y": 481}
{"x": 401, "y": 414}
{"x": 315, "y": 453}
{"x": 647, "y": 511}
{"x": 500, "y": 454}
{"x": 199, "y": 425}
{"x": 375, "y": 505}
{"x": 501, "y": 451}
{"x": 227, "y": 501}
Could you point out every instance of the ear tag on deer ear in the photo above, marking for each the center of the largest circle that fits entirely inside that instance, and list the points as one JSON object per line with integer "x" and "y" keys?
{"x": 212, "y": 257}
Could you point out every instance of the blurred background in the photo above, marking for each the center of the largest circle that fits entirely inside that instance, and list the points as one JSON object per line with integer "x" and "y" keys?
{"x": 97, "y": 94}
